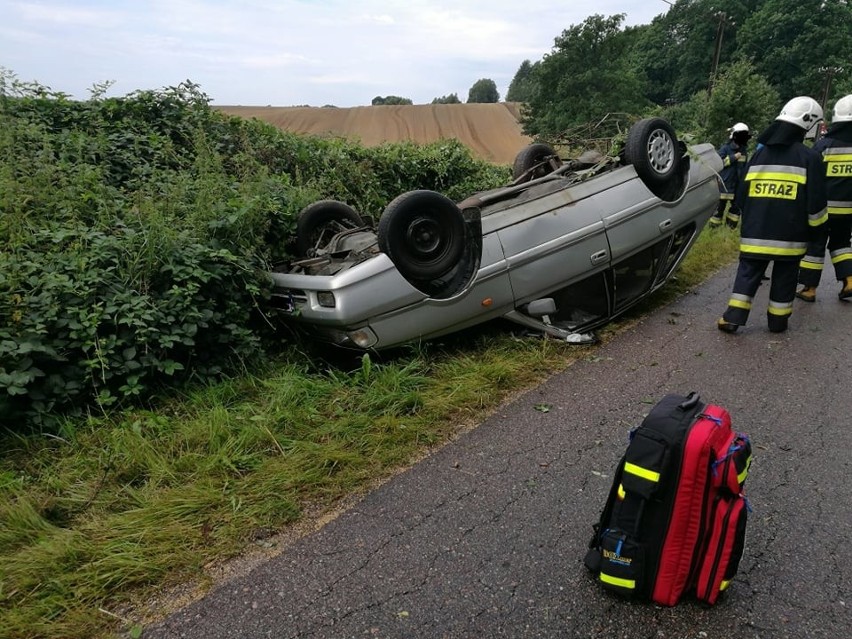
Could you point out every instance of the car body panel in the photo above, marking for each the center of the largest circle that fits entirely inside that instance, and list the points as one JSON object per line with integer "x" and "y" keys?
{"x": 607, "y": 240}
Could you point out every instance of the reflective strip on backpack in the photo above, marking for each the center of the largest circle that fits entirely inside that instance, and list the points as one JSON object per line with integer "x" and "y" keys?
{"x": 618, "y": 581}
{"x": 742, "y": 476}
{"x": 644, "y": 473}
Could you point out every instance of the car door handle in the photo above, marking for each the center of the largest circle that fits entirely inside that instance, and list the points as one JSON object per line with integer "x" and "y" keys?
{"x": 665, "y": 225}
{"x": 598, "y": 257}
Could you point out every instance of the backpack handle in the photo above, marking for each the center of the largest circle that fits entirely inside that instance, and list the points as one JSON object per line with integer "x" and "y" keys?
{"x": 690, "y": 402}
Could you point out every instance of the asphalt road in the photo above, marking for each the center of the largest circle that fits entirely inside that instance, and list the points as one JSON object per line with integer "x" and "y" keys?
{"x": 486, "y": 537}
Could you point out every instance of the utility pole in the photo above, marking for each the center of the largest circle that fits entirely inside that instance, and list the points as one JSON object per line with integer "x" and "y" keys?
{"x": 722, "y": 17}
{"x": 826, "y": 85}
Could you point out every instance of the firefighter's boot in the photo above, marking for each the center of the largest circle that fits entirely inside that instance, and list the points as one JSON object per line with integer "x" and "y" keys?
{"x": 726, "y": 327}
{"x": 808, "y": 294}
{"x": 846, "y": 291}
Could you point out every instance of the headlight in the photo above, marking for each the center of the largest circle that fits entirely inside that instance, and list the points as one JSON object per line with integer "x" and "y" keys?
{"x": 325, "y": 299}
{"x": 363, "y": 337}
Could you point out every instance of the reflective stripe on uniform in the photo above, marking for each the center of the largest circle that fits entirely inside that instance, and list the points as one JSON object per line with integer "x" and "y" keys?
{"x": 812, "y": 262}
{"x": 838, "y": 162}
{"x": 841, "y": 255}
{"x": 780, "y": 308}
{"x": 839, "y": 207}
{"x": 726, "y": 196}
{"x": 779, "y": 172}
{"x": 775, "y": 181}
{"x": 738, "y": 300}
{"x": 772, "y": 247}
{"x": 618, "y": 581}
{"x": 820, "y": 217}
{"x": 644, "y": 473}
{"x": 838, "y": 152}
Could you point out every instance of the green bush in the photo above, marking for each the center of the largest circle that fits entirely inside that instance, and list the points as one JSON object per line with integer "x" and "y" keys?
{"x": 136, "y": 235}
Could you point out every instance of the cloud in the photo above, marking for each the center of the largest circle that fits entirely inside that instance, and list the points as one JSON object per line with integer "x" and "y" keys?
{"x": 383, "y": 19}
{"x": 273, "y": 61}
{"x": 61, "y": 15}
{"x": 288, "y": 51}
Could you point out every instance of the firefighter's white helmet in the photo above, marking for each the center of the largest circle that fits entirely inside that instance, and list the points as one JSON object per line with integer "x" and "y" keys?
{"x": 843, "y": 109}
{"x": 802, "y": 111}
{"x": 739, "y": 127}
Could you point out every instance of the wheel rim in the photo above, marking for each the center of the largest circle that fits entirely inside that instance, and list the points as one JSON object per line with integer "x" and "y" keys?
{"x": 424, "y": 237}
{"x": 660, "y": 151}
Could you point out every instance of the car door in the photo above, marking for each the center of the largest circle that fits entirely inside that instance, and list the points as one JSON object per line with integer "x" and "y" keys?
{"x": 640, "y": 227}
{"x": 553, "y": 236}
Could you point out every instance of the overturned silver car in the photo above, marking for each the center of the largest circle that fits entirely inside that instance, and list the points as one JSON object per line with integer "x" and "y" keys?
{"x": 565, "y": 247}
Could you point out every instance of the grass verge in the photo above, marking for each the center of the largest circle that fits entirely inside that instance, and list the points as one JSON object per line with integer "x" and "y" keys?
{"x": 120, "y": 505}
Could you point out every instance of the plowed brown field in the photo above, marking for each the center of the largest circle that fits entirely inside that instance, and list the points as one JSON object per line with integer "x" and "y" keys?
{"x": 491, "y": 131}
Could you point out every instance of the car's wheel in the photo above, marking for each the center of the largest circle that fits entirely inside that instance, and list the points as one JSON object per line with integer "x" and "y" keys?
{"x": 652, "y": 148}
{"x": 320, "y": 221}
{"x": 535, "y": 155}
{"x": 423, "y": 234}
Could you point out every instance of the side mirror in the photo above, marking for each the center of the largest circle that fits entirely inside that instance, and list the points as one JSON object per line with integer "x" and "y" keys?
{"x": 542, "y": 309}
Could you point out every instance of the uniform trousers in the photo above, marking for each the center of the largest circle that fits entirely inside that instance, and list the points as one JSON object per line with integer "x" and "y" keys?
{"x": 782, "y": 291}
{"x": 839, "y": 234}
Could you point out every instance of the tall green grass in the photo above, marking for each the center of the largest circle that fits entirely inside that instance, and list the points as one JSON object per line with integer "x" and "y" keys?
{"x": 112, "y": 507}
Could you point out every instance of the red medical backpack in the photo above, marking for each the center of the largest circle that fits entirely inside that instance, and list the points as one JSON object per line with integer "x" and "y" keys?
{"x": 675, "y": 518}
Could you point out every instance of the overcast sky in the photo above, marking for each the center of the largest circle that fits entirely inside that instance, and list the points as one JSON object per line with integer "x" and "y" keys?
{"x": 289, "y": 52}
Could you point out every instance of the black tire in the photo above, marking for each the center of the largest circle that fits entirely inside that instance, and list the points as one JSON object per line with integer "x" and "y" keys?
{"x": 652, "y": 148}
{"x": 423, "y": 234}
{"x": 320, "y": 221}
{"x": 533, "y": 155}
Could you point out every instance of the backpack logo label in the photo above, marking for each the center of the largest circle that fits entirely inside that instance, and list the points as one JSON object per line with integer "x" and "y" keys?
{"x": 611, "y": 555}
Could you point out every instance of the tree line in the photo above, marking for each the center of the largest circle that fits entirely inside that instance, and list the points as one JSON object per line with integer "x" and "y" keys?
{"x": 483, "y": 91}
{"x": 703, "y": 63}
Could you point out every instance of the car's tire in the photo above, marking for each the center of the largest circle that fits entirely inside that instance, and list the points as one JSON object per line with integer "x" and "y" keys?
{"x": 321, "y": 220}
{"x": 423, "y": 234}
{"x": 652, "y": 148}
{"x": 533, "y": 155}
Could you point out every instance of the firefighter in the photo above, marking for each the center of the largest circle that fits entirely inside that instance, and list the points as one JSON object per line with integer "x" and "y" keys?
{"x": 836, "y": 150}
{"x": 734, "y": 154}
{"x": 784, "y": 207}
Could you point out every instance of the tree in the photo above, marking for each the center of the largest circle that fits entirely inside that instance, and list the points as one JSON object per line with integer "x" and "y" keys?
{"x": 740, "y": 94}
{"x": 391, "y": 99}
{"x": 796, "y": 43}
{"x": 447, "y": 99}
{"x": 483, "y": 91}
{"x": 587, "y": 75}
{"x": 675, "y": 53}
{"x": 521, "y": 87}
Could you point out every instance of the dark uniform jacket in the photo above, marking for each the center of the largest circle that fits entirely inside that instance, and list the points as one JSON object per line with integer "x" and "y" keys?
{"x": 733, "y": 170}
{"x": 784, "y": 202}
{"x": 837, "y": 160}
